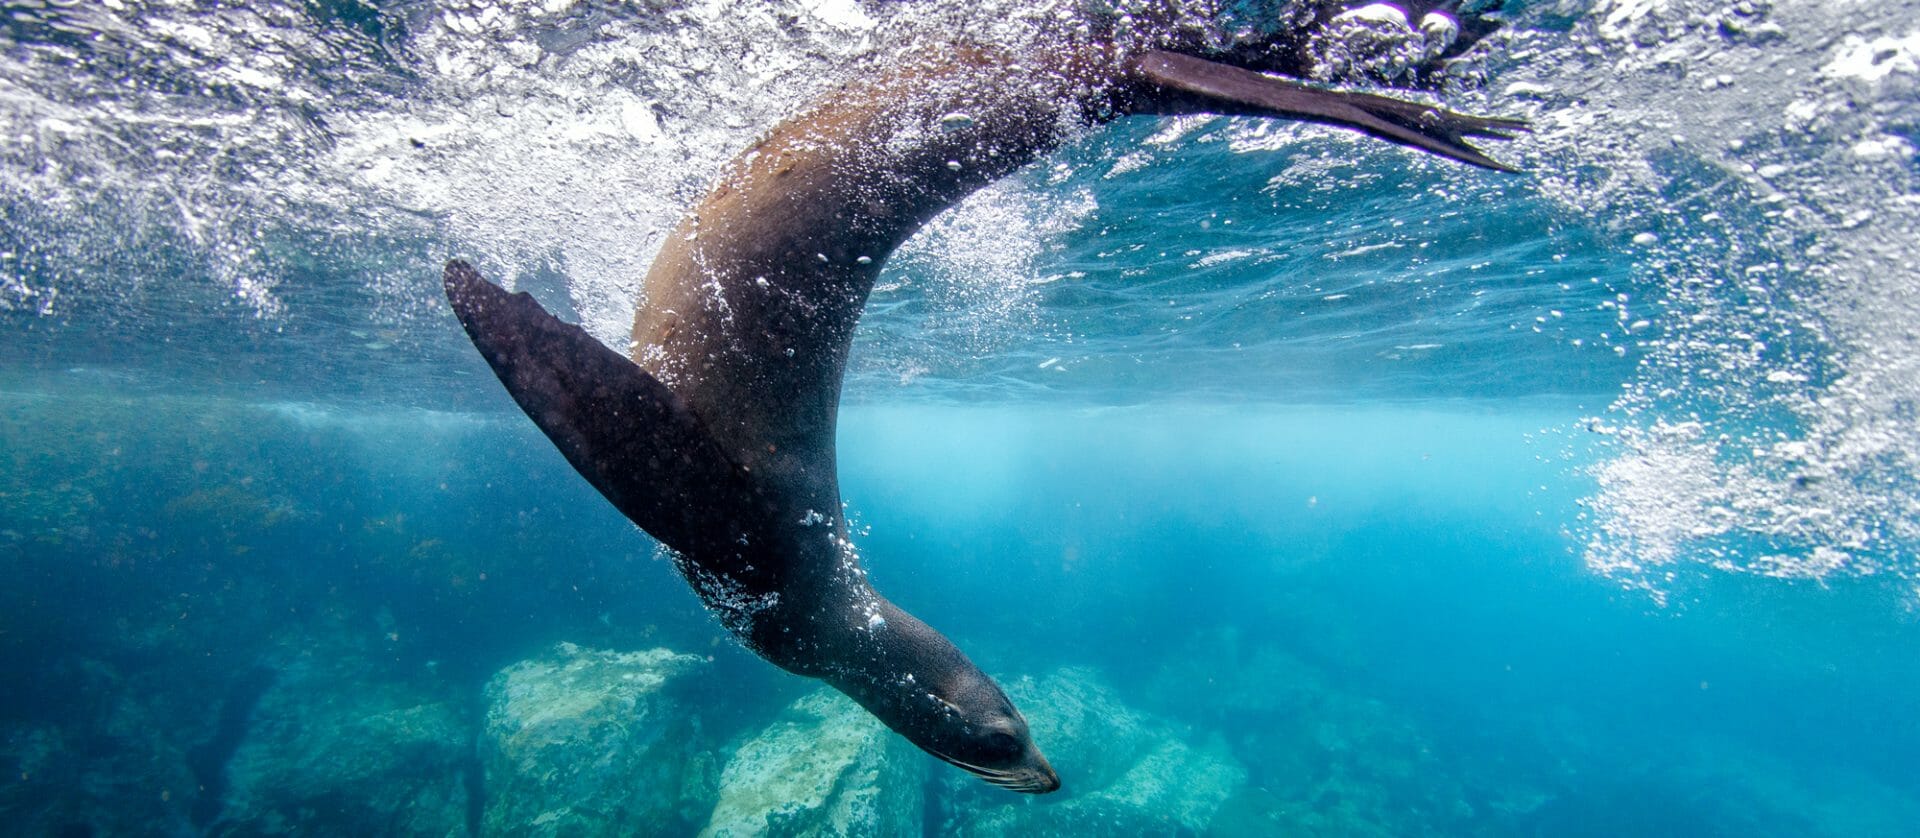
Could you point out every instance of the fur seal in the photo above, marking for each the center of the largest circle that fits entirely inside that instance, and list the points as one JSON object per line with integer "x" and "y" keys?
{"x": 716, "y": 435}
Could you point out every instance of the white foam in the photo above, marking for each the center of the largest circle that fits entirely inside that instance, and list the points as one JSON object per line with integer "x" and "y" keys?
{"x": 1775, "y": 206}
{"x": 1772, "y": 427}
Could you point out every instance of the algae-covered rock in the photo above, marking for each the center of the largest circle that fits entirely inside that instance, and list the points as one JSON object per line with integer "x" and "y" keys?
{"x": 1087, "y": 733}
{"x": 591, "y": 742}
{"x": 330, "y": 752}
{"x": 825, "y": 767}
{"x": 1123, "y": 772}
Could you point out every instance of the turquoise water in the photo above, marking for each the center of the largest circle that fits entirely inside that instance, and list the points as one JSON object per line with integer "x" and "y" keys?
{"x": 1292, "y": 483}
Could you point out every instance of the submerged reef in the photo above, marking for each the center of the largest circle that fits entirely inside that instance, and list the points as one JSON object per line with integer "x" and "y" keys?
{"x": 112, "y": 763}
{"x": 198, "y": 642}
{"x": 334, "y": 750}
{"x": 583, "y": 743}
{"x": 1128, "y": 772}
{"x": 825, "y": 767}
{"x": 1324, "y": 758}
{"x": 588, "y": 742}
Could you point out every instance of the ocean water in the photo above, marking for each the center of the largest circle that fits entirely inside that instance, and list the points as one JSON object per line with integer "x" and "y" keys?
{"x": 1293, "y": 483}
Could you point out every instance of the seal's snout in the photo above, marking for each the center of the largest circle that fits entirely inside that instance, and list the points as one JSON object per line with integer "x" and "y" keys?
{"x": 1030, "y": 774}
{"x": 1033, "y": 776}
{"x": 1047, "y": 781}
{"x": 1040, "y": 781}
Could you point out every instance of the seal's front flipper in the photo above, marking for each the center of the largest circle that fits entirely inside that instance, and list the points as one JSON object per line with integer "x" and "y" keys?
{"x": 631, "y": 436}
{"x": 1188, "y": 84}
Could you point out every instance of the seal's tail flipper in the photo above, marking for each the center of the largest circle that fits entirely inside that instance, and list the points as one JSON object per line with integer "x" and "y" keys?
{"x": 631, "y": 436}
{"x": 1198, "y": 85}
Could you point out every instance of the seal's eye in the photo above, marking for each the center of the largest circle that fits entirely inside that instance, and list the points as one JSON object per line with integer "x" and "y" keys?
{"x": 1001, "y": 742}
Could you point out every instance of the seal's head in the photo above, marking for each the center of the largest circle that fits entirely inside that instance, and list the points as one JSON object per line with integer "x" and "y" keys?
{"x": 971, "y": 724}
{"x": 917, "y": 682}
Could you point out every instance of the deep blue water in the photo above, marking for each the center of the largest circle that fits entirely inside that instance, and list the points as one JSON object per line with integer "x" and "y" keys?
{"x": 1578, "y": 502}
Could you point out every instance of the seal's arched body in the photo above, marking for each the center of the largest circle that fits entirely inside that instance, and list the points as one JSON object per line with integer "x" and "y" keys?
{"x": 717, "y": 435}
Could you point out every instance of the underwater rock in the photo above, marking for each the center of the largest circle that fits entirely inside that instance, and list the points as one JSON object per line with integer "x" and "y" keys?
{"x": 1327, "y": 759}
{"x": 1125, "y": 772}
{"x": 1086, "y": 731}
{"x": 113, "y": 769}
{"x": 591, "y": 742}
{"x": 333, "y": 751}
{"x": 825, "y": 767}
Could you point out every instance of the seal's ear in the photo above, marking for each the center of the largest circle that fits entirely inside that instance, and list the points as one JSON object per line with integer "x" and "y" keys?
{"x": 631, "y": 436}
{"x": 1186, "y": 84}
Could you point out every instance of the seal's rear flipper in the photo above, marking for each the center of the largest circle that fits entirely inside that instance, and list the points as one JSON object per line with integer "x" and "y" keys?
{"x": 631, "y": 436}
{"x": 1192, "y": 84}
